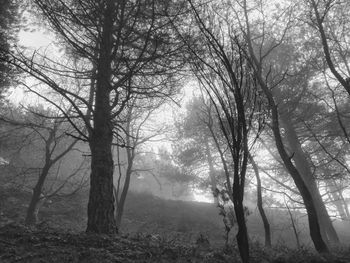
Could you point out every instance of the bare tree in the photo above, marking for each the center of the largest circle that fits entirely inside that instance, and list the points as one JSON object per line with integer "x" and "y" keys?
{"x": 137, "y": 115}
{"x": 48, "y": 131}
{"x": 225, "y": 75}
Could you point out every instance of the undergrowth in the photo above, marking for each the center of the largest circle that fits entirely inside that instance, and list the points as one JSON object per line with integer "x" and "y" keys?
{"x": 19, "y": 243}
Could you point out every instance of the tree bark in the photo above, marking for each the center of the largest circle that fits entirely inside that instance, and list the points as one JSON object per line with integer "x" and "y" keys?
{"x": 33, "y": 209}
{"x": 242, "y": 234}
{"x": 101, "y": 199}
{"x": 260, "y": 204}
{"x": 314, "y": 226}
{"x": 303, "y": 166}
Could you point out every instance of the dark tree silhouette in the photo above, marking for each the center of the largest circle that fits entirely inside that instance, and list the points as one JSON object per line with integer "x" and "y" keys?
{"x": 114, "y": 50}
{"x": 226, "y": 77}
{"x": 256, "y": 62}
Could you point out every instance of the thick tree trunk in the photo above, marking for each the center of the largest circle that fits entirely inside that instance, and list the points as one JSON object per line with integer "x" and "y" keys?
{"x": 301, "y": 162}
{"x": 260, "y": 204}
{"x": 101, "y": 199}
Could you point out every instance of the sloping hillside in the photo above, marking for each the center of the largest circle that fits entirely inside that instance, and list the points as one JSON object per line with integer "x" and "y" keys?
{"x": 147, "y": 214}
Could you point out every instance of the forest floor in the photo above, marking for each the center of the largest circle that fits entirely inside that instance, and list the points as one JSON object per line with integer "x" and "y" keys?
{"x": 43, "y": 244}
{"x": 154, "y": 230}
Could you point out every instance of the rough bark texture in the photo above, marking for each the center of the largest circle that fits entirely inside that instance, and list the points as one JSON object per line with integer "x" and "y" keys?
{"x": 301, "y": 162}
{"x": 260, "y": 204}
{"x": 101, "y": 199}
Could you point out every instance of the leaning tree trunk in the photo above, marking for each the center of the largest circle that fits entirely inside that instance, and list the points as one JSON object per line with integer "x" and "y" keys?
{"x": 260, "y": 204}
{"x": 314, "y": 226}
{"x": 301, "y": 162}
{"x": 101, "y": 199}
{"x": 33, "y": 209}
